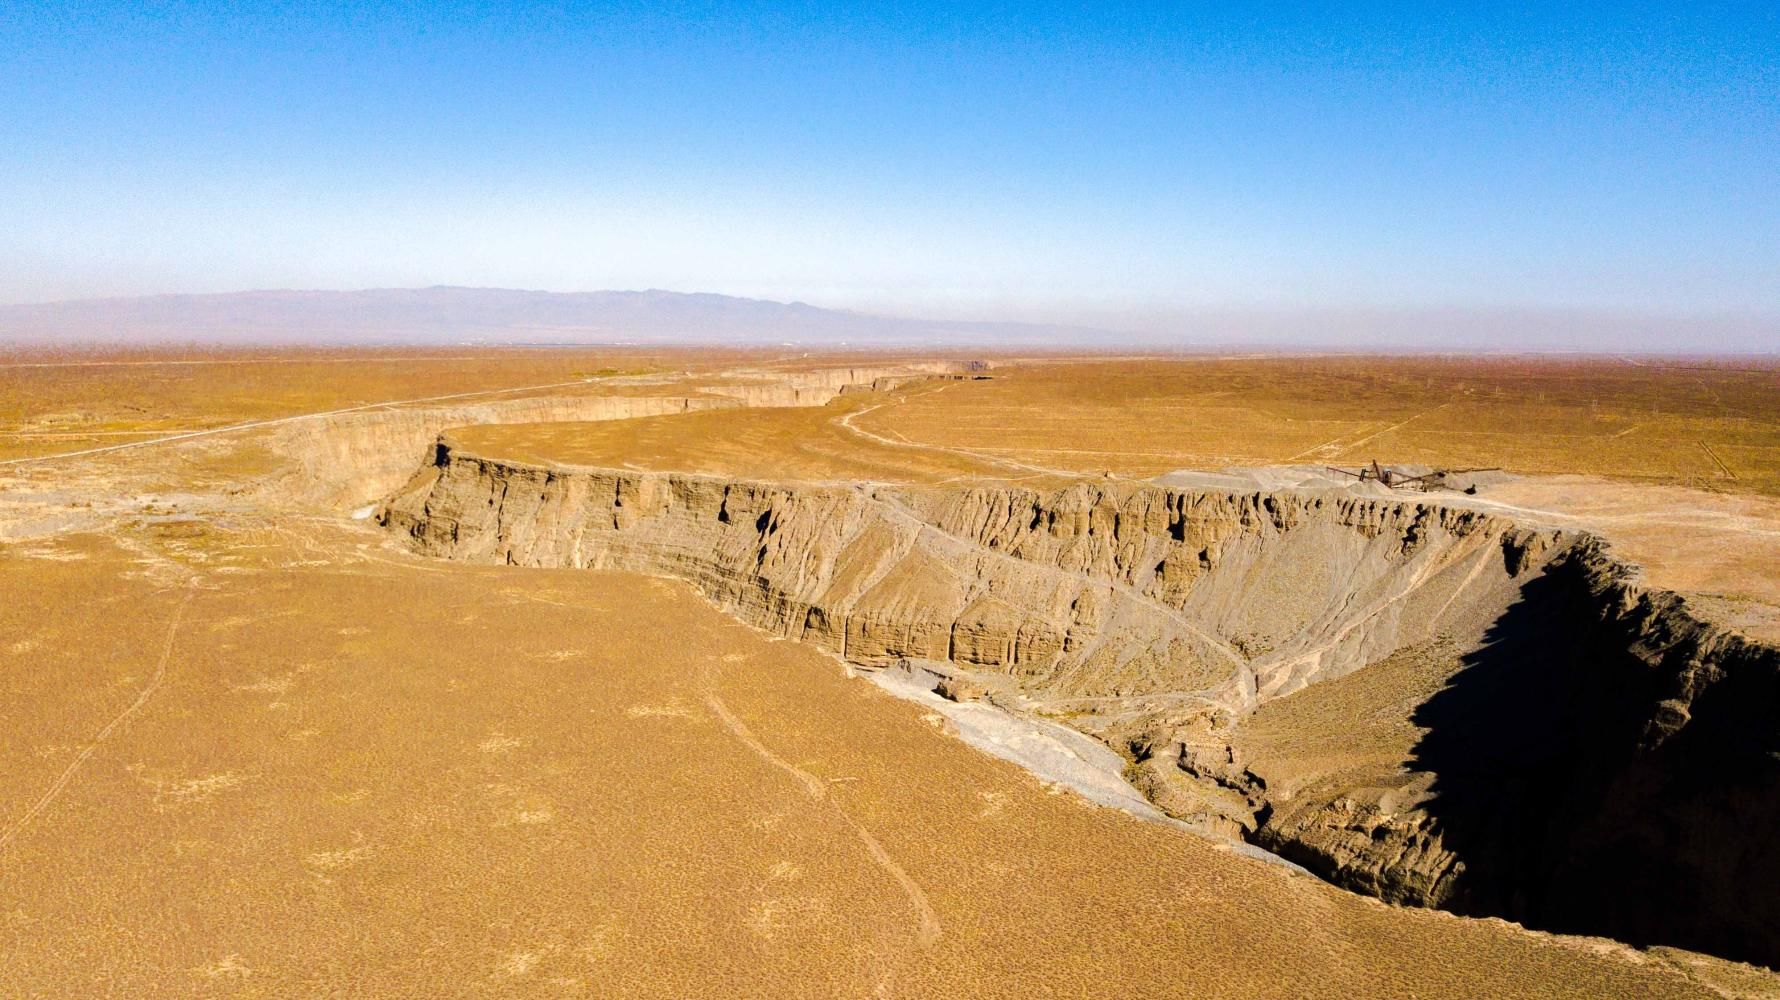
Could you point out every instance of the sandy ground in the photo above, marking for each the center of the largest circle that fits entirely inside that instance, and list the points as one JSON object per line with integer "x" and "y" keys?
{"x": 261, "y": 752}
{"x": 806, "y": 444}
{"x": 1721, "y": 549}
{"x": 259, "y": 758}
{"x": 1691, "y": 424}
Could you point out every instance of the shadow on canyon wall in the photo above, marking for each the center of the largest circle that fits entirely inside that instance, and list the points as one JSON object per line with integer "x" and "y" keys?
{"x": 1602, "y": 770}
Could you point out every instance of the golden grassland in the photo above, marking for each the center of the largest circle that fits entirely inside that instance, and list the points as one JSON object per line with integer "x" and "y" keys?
{"x": 263, "y": 759}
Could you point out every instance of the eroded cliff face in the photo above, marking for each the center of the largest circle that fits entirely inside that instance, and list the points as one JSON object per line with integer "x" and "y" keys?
{"x": 1091, "y": 591}
{"x": 1591, "y": 758}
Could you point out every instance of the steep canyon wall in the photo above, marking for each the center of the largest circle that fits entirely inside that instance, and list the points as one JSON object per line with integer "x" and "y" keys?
{"x": 1593, "y": 759}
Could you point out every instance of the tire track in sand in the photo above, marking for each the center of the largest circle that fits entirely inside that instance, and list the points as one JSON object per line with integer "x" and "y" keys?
{"x": 97, "y": 741}
{"x": 927, "y": 929}
{"x": 276, "y": 421}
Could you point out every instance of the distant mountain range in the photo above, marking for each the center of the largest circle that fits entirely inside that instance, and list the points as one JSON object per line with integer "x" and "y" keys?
{"x": 448, "y": 315}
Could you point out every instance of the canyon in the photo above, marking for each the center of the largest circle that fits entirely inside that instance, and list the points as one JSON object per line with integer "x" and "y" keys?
{"x": 1588, "y": 757}
{"x": 536, "y": 671}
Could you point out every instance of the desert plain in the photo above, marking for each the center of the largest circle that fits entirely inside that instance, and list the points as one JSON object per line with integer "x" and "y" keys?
{"x": 551, "y": 672}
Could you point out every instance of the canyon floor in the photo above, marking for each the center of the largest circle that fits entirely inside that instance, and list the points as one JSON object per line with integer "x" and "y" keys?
{"x": 284, "y": 715}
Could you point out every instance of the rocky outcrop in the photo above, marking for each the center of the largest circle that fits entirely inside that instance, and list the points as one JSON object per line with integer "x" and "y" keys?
{"x": 1594, "y": 759}
{"x": 1601, "y": 762}
{"x": 1093, "y": 591}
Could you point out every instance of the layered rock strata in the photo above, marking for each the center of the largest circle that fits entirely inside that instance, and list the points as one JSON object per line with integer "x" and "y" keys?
{"x": 1591, "y": 757}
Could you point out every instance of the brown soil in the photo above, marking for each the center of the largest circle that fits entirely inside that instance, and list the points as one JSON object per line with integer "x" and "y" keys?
{"x": 319, "y": 765}
{"x": 257, "y": 749}
{"x": 1708, "y": 426}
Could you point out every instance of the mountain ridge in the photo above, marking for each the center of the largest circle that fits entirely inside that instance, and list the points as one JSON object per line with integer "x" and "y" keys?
{"x": 456, "y": 314}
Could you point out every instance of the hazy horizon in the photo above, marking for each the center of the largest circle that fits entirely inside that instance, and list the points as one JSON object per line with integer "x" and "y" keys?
{"x": 1567, "y": 178}
{"x": 455, "y": 314}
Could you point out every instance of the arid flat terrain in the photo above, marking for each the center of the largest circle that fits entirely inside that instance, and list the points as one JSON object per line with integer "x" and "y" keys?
{"x": 292, "y": 709}
{"x": 1703, "y": 424}
{"x": 1622, "y": 447}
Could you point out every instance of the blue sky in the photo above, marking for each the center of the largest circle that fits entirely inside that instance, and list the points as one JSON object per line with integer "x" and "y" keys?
{"x": 1104, "y": 162}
